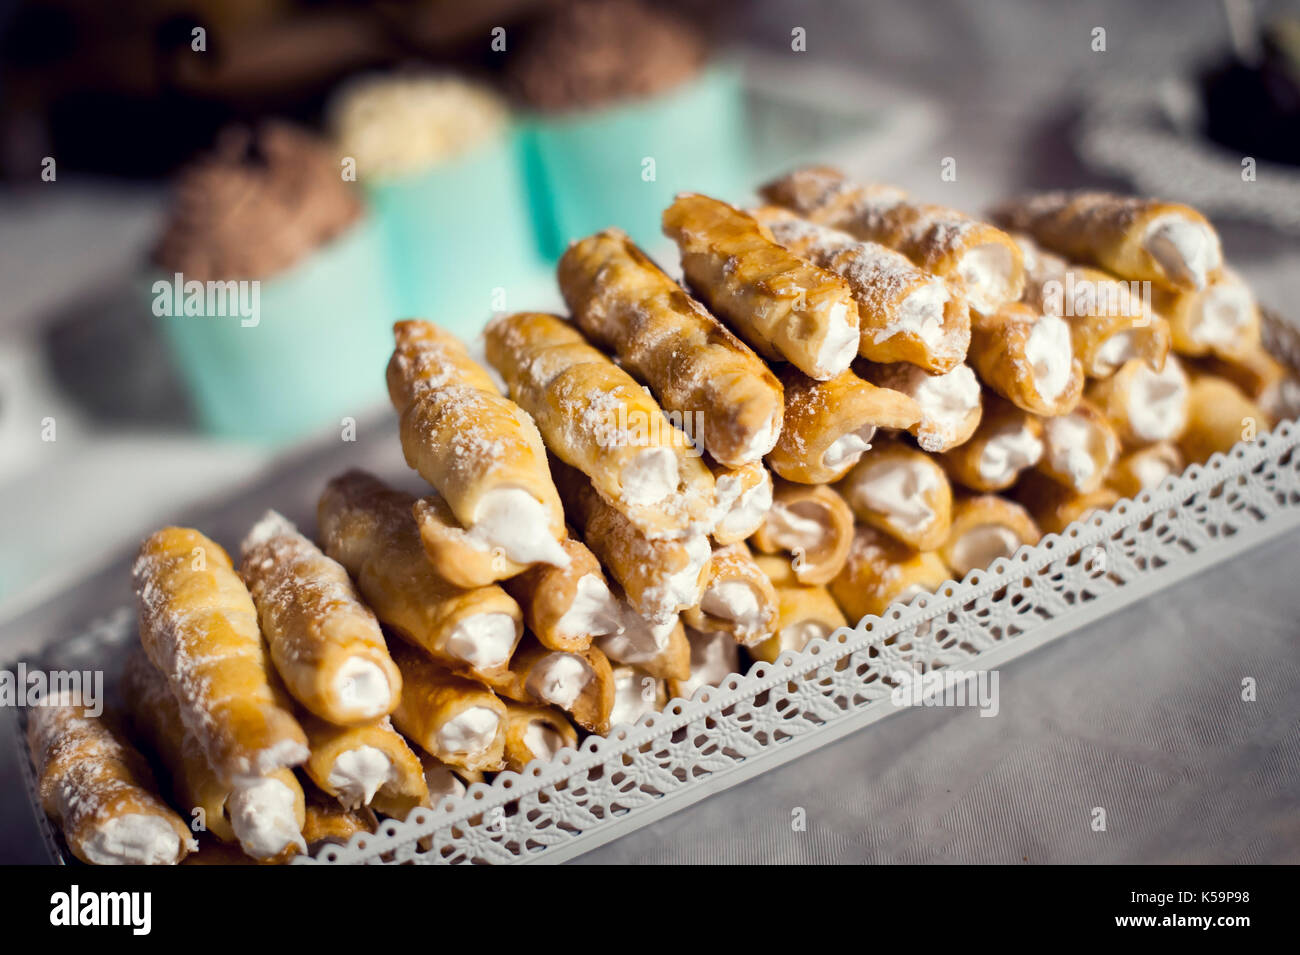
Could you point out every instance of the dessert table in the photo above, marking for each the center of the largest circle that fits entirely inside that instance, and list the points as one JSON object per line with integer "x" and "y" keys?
{"x": 1140, "y": 714}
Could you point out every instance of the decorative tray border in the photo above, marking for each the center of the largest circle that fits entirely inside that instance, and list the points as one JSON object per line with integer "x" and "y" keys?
{"x": 612, "y": 785}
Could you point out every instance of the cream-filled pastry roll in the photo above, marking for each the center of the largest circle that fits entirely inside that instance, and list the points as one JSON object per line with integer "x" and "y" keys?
{"x": 828, "y": 425}
{"x": 1111, "y": 321}
{"x": 738, "y": 599}
{"x": 1145, "y": 239}
{"x": 951, "y": 404}
{"x": 1054, "y": 507}
{"x": 99, "y": 789}
{"x": 1221, "y": 318}
{"x": 882, "y": 571}
{"x": 454, "y": 553}
{"x": 365, "y": 766}
{"x": 783, "y": 307}
{"x": 1262, "y": 378}
{"x": 199, "y": 627}
{"x": 636, "y": 693}
{"x": 1007, "y": 441}
{"x": 536, "y": 732}
{"x": 567, "y": 607}
{"x": 458, "y": 720}
{"x": 479, "y": 450}
{"x": 813, "y": 524}
{"x": 369, "y": 529}
{"x": 595, "y": 417}
{"x": 1080, "y": 448}
{"x": 263, "y": 814}
{"x": 577, "y": 682}
{"x": 329, "y": 823}
{"x": 325, "y": 643}
{"x": 904, "y": 312}
{"x": 1027, "y": 357}
{"x": 1145, "y": 406}
{"x": 659, "y": 577}
{"x": 659, "y": 648}
{"x": 697, "y": 369}
{"x": 744, "y": 498}
{"x": 984, "y": 528}
{"x": 805, "y": 613}
{"x": 715, "y": 655}
{"x": 980, "y": 259}
{"x": 901, "y": 491}
{"x": 1218, "y": 416}
{"x": 1145, "y": 468}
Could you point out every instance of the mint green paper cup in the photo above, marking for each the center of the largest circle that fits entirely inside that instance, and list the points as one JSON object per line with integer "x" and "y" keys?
{"x": 313, "y": 353}
{"x": 622, "y": 165}
{"x": 459, "y": 237}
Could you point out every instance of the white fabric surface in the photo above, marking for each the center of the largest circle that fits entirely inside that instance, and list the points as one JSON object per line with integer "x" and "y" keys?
{"x": 1140, "y": 714}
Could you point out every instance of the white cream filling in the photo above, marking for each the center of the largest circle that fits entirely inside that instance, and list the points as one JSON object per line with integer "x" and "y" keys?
{"x": 946, "y": 400}
{"x": 483, "y": 640}
{"x": 543, "y": 740}
{"x": 1223, "y": 313}
{"x": 1068, "y": 450}
{"x": 763, "y": 440}
{"x": 133, "y": 839}
{"x": 980, "y": 546}
{"x": 650, "y": 476}
{"x": 1187, "y": 251}
{"x": 839, "y": 346}
{"x": 362, "y": 688}
{"x": 797, "y": 635}
{"x": 986, "y": 273}
{"x": 742, "y": 510}
{"x": 1157, "y": 402}
{"x": 263, "y": 815}
{"x": 1114, "y": 351}
{"x": 848, "y": 448}
{"x": 734, "y": 600}
{"x": 1050, "y": 355}
{"x": 287, "y": 752}
{"x": 593, "y": 612}
{"x": 791, "y": 527}
{"x": 1007, "y": 453}
{"x": 639, "y": 641}
{"x": 358, "y": 774}
{"x": 899, "y": 489}
{"x": 558, "y": 679}
{"x": 442, "y": 781}
{"x": 684, "y": 587}
{"x": 714, "y": 657}
{"x": 469, "y": 732}
{"x": 512, "y": 519}
{"x": 920, "y": 314}
{"x": 635, "y": 694}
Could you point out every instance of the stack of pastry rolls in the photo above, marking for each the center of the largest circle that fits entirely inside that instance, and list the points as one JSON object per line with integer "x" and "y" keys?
{"x": 849, "y": 398}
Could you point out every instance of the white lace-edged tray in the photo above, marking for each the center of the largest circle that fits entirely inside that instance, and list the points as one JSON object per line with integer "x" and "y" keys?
{"x": 609, "y": 786}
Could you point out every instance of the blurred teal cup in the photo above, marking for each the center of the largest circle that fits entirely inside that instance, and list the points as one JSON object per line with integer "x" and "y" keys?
{"x": 291, "y": 354}
{"x": 459, "y": 237}
{"x": 622, "y": 165}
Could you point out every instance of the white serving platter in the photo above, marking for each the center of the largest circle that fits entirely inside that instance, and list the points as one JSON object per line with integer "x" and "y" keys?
{"x": 609, "y": 786}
